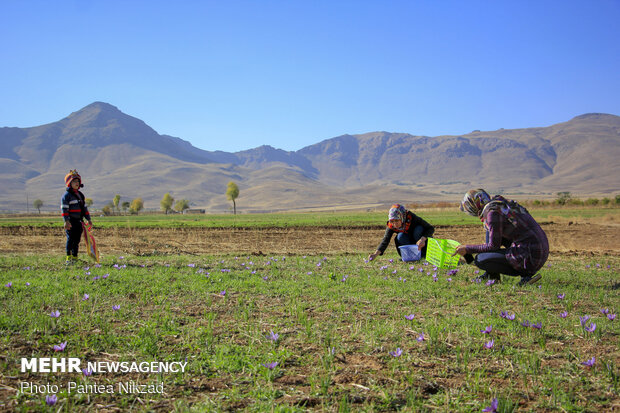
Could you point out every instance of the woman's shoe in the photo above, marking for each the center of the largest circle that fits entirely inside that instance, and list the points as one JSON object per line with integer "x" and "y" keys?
{"x": 529, "y": 280}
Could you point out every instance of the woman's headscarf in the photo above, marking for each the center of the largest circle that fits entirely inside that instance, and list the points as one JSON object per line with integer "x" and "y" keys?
{"x": 397, "y": 212}
{"x": 474, "y": 201}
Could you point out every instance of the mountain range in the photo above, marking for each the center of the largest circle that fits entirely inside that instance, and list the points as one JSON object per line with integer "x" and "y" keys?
{"x": 118, "y": 154}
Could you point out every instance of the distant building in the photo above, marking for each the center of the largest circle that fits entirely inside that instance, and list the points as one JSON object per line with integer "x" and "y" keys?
{"x": 194, "y": 211}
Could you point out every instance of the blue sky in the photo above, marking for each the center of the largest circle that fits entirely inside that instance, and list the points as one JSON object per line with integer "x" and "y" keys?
{"x": 233, "y": 75}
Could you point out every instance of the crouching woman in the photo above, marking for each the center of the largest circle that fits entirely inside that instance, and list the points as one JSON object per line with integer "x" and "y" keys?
{"x": 409, "y": 229}
{"x": 516, "y": 245}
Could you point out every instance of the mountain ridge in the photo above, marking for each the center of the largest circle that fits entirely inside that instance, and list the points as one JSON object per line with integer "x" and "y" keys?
{"x": 118, "y": 153}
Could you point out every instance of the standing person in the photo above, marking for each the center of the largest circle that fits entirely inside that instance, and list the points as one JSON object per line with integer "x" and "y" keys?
{"x": 73, "y": 207}
{"x": 409, "y": 229}
{"x": 508, "y": 225}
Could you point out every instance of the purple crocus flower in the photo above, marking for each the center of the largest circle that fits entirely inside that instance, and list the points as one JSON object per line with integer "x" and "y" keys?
{"x": 51, "y": 400}
{"x": 590, "y": 327}
{"x": 61, "y": 346}
{"x": 396, "y": 353}
{"x": 9, "y": 284}
{"x": 561, "y": 296}
{"x": 507, "y": 316}
{"x": 537, "y": 326}
{"x": 104, "y": 276}
{"x": 526, "y": 323}
{"x": 223, "y": 293}
{"x": 605, "y": 311}
{"x": 421, "y": 337}
{"x": 87, "y": 372}
{"x": 590, "y": 362}
{"x": 584, "y": 320}
{"x": 563, "y": 314}
{"x": 116, "y": 307}
{"x": 86, "y": 297}
{"x": 489, "y": 344}
{"x": 487, "y": 330}
{"x": 492, "y": 408}
{"x": 273, "y": 336}
{"x": 271, "y": 365}
{"x": 27, "y": 284}
{"x": 55, "y": 314}
{"x": 410, "y": 317}
{"x": 611, "y": 317}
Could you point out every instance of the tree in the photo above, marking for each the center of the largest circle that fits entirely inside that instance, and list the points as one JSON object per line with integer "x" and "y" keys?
{"x": 108, "y": 209}
{"x": 166, "y": 203}
{"x": 136, "y": 205}
{"x": 563, "y": 198}
{"x": 232, "y": 192}
{"x": 116, "y": 201}
{"x": 125, "y": 205}
{"x": 37, "y": 204}
{"x": 89, "y": 202}
{"x": 181, "y": 205}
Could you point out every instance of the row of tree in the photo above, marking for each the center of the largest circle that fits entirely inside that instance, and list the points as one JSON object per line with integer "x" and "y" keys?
{"x": 136, "y": 205}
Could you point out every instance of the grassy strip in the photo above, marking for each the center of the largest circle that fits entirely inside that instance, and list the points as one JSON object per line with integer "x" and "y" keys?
{"x": 339, "y": 321}
{"x": 434, "y": 216}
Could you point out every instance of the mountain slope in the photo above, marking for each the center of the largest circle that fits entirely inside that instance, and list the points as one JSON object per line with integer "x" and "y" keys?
{"x": 117, "y": 153}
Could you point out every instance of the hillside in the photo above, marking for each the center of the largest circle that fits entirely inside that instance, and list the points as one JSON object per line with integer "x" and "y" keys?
{"x": 117, "y": 153}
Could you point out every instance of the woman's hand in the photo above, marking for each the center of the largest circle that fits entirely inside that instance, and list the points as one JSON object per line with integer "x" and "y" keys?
{"x": 461, "y": 250}
{"x": 421, "y": 243}
{"x": 374, "y": 255}
{"x": 67, "y": 225}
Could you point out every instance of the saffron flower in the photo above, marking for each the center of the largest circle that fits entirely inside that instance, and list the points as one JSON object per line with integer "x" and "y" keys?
{"x": 410, "y": 317}
{"x": 223, "y": 293}
{"x": 86, "y": 297}
{"x": 8, "y": 285}
{"x": 396, "y": 353}
{"x": 61, "y": 346}
{"x": 271, "y": 365}
{"x": 584, "y": 320}
{"x": 273, "y": 336}
{"x": 526, "y": 323}
{"x": 55, "y": 314}
{"x": 590, "y": 362}
{"x": 87, "y": 372}
{"x": 605, "y": 311}
{"x": 561, "y": 296}
{"x": 590, "y": 328}
{"x": 116, "y": 307}
{"x": 421, "y": 337}
{"x": 487, "y": 330}
{"x": 563, "y": 314}
{"x": 51, "y": 400}
{"x": 489, "y": 344}
{"x": 611, "y": 317}
{"x": 490, "y": 282}
{"x": 492, "y": 408}
{"x": 506, "y": 315}
{"x": 537, "y": 326}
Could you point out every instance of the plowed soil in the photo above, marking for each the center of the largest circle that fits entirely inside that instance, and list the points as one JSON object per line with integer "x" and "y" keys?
{"x": 564, "y": 239}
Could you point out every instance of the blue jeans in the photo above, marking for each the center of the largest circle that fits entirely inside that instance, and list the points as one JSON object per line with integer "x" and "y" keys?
{"x": 403, "y": 238}
{"x": 495, "y": 263}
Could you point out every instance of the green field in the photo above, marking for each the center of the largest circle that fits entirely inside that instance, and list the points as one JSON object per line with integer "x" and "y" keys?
{"x": 339, "y": 323}
{"x": 436, "y": 216}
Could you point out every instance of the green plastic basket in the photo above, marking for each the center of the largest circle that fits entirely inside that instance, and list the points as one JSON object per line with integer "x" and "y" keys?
{"x": 439, "y": 252}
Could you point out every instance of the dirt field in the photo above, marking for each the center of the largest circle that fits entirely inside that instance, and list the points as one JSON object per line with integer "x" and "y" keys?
{"x": 564, "y": 238}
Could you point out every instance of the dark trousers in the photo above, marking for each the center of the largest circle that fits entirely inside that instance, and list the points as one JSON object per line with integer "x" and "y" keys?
{"x": 403, "y": 238}
{"x": 73, "y": 237}
{"x": 495, "y": 263}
